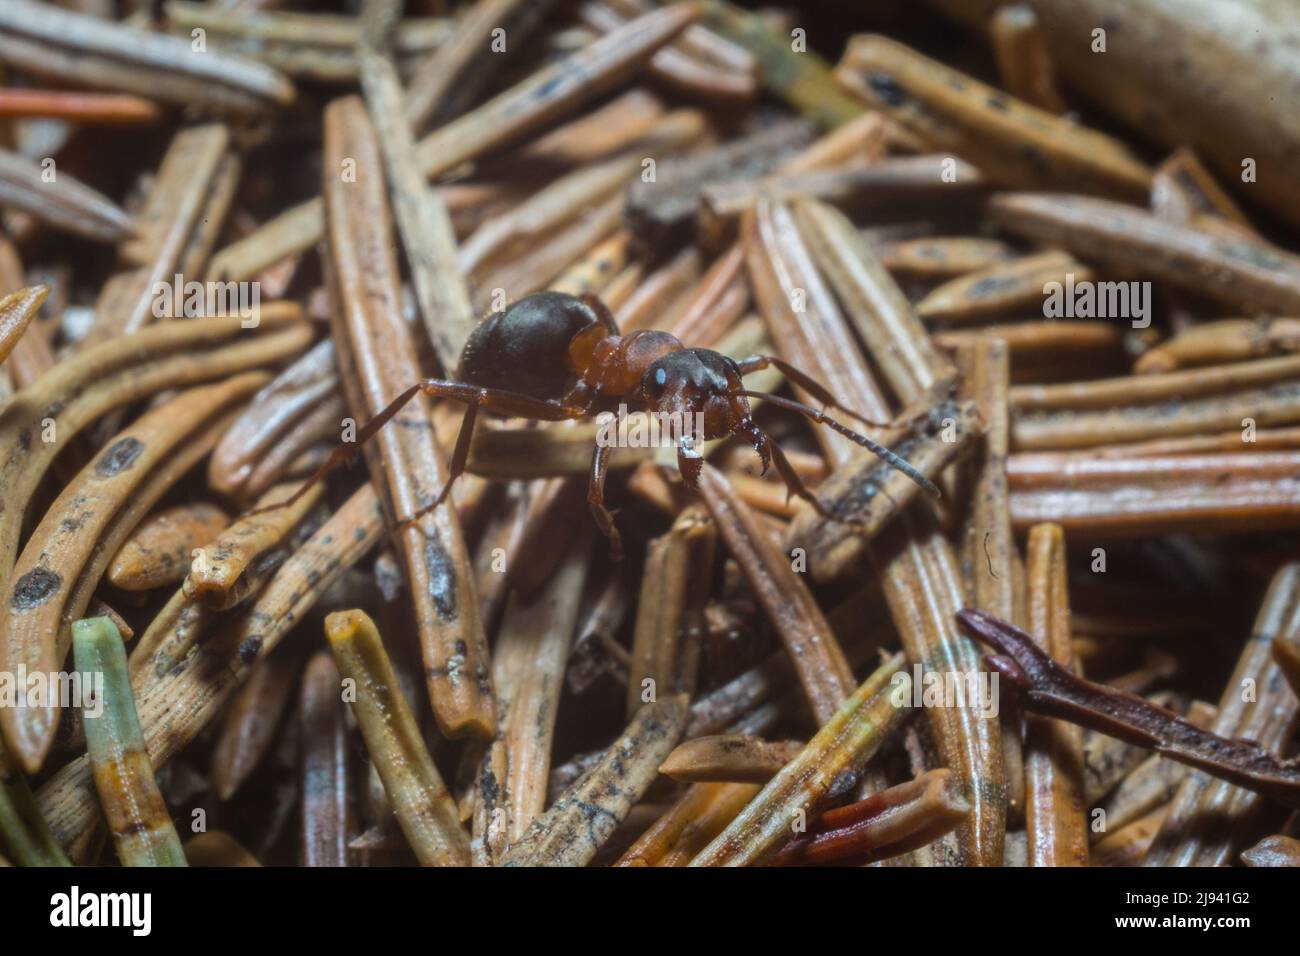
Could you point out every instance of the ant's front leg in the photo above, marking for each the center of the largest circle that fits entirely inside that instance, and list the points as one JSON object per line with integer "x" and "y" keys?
{"x": 758, "y": 438}
{"x": 769, "y": 450}
{"x": 596, "y": 501}
{"x": 690, "y": 462}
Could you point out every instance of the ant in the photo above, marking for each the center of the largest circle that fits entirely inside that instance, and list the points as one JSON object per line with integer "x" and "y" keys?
{"x": 551, "y": 356}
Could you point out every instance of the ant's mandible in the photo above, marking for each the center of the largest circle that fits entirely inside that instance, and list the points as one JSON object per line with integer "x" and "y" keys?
{"x": 553, "y": 357}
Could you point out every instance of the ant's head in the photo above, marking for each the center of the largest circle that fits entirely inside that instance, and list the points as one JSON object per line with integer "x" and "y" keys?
{"x": 696, "y": 387}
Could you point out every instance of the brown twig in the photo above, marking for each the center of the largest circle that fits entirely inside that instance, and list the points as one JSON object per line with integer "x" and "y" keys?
{"x": 1049, "y": 689}
{"x": 1249, "y": 274}
{"x": 250, "y": 724}
{"x": 59, "y": 200}
{"x": 729, "y": 758}
{"x": 817, "y": 658}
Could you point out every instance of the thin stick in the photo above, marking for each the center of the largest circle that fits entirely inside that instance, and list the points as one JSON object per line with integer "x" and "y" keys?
{"x": 1249, "y": 274}
{"x": 250, "y": 725}
{"x": 174, "y": 230}
{"x": 62, "y": 202}
{"x": 422, "y": 219}
{"x": 989, "y": 549}
{"x": 661, "y": 654}
{"x": 1011, "y": 142}
{"x": 537, "y": 632}
{"x": 1002, "y": 288}
{"x": 90, "y": 109}
{"x": 445, "y": 78}
{"x": 729, "y": 758}
{"x": 923, "y": 589}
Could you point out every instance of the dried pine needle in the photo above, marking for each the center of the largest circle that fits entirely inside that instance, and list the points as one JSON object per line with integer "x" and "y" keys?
{"x": 583, "y": 818}
{"x": 138, "y": 819}
{"x": 17, "y": 309}
{"x": 158, "y": 552}
{"x": 423, "y": 806}
{"x": 843, "y": 745}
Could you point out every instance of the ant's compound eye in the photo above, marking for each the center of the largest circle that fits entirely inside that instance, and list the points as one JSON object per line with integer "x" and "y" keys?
{"x": 656, "y": 381}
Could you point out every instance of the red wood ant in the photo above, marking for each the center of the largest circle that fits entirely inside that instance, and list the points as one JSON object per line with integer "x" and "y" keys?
{"x": 551, "y": 356}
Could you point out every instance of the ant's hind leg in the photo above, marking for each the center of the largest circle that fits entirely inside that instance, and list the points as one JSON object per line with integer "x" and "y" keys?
{"x": 492, "y": 399}
{"x": 597, "y": 305}
{"x": 345, "y": 452}
{"x": 596, "y": 501}
{"x": 459, "y": 458}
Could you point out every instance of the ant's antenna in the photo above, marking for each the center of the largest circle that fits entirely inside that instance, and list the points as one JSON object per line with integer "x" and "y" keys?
{"x": 875, "y": 448}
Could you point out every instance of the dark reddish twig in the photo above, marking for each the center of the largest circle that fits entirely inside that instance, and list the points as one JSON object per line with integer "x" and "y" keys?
{"x": 1047, "y": 688}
